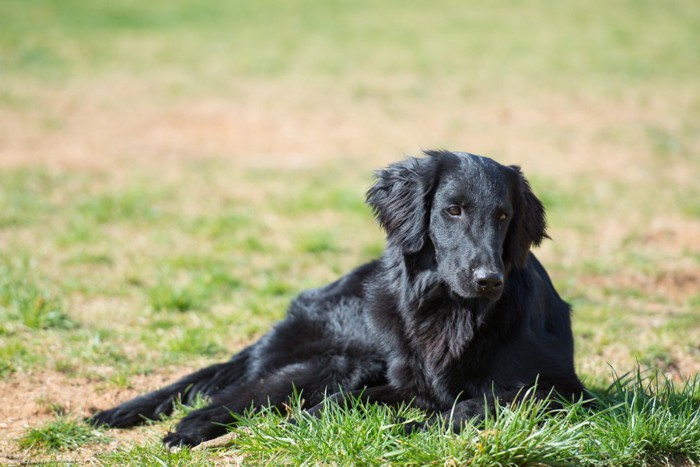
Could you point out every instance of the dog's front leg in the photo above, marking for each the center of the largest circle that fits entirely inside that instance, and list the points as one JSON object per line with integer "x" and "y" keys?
{"x": 377, "y": 394}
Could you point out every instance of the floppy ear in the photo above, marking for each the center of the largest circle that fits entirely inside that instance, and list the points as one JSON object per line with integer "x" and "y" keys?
{"x": 400, "y": 199}
{"x": 528, "y": 227}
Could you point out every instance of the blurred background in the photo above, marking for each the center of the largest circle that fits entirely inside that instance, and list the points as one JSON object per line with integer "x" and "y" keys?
{"x": 173, "y": 172}
{"x": 561, "y": 87}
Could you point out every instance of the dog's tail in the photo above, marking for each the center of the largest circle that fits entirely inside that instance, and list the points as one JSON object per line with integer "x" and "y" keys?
{"x": 151, "y": 406}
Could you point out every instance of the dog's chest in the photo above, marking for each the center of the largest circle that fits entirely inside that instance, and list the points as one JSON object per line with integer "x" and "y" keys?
{"x": 446, "y": 346}
{"x": 442, "y": 334}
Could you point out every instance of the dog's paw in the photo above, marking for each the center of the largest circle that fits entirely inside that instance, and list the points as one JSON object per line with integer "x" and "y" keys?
{"x": 317, "y": 410}
{"x": 116, "y": 418}
{"x": 411, "y": 427}
{"x": 197, "y": 427}
{"x": 176, "y": 441}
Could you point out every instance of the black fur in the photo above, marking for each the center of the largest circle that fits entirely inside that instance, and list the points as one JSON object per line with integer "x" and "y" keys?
{"x": 457, "y": 311}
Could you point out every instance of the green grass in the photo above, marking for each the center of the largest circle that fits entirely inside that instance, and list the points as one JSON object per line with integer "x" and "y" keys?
{"x": 26, "y": 302}
{"x": 23, "y": 198}
{"x": 650, "y": 421}
{"x": 164, "y": 296}
{"x": 579, "y": 41}
{"x": 60, "y": 435}
{"x": 155, "y": 454}
{"x": 371, "y": 435}
{"x": 131, "y": 206}
{"x": 638, "y": 420}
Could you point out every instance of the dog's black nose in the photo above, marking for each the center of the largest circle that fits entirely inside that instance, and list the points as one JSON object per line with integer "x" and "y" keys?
{"x": 488, "y": 281}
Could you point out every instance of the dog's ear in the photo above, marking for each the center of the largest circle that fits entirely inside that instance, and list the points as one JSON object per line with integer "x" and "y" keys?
{"x": 529, "y": 225}
{"x": 400, "y": 199}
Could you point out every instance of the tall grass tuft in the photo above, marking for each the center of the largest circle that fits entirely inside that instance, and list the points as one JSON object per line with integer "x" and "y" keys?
{"x": 61, "y": 434}
{"x": 649, "y": 420}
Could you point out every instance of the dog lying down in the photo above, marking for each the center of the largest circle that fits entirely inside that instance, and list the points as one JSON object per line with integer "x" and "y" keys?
{"x": 456, "y": 314}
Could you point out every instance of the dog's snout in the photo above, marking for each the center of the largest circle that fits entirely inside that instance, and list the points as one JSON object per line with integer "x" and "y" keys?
{"x": 488, "y": 281}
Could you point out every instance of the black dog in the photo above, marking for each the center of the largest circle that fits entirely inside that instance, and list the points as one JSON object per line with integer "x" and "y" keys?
{"x": 456, "y": 313}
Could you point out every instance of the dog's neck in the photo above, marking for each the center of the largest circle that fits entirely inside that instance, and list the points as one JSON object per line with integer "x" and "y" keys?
{"x": 424, "y": 295}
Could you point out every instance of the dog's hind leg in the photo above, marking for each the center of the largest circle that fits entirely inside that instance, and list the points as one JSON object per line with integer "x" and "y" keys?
{"x": 161, "y": 402}
{"x": 311, "y": 378}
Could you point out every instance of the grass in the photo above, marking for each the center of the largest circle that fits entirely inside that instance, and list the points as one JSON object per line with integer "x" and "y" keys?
{"x": 370, "y": 435}
{"x": 652, "y": 422}
{"x": 32, "y": 306}
{"x": 61, "y": 434}
{"x": 605, "y": 43}
{"x": 173, "y": 173}
{"x": 24, "y": 301}
{"x": 639, "y": 420}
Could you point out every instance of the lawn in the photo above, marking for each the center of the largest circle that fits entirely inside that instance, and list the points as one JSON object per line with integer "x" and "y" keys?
{"x": 173, "y": 173}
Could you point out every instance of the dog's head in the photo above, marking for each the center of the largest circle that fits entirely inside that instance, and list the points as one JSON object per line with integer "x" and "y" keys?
{"x": 477, "y": 218}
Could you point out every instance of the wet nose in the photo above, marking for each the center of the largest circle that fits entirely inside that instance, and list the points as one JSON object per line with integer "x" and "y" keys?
{"x": 488, "y": 281}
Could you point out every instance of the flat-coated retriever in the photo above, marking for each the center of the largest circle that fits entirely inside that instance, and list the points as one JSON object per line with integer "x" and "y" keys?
{"x": 456, "y": 314}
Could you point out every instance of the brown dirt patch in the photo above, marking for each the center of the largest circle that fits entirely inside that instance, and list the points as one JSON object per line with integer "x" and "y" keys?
{"x": 36, "y": 396}
{"x": 117, "y": 123}
{"x": 673, "y": 285}
{"x": 678, "y": 285}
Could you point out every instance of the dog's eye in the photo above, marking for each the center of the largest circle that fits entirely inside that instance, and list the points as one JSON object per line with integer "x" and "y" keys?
{"x": 454, "y": 210}
{"x": 503, "y": 217}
